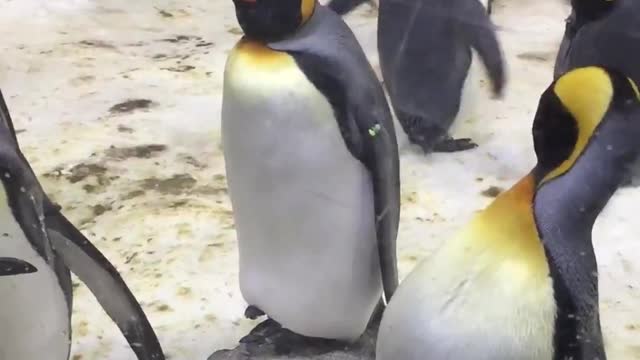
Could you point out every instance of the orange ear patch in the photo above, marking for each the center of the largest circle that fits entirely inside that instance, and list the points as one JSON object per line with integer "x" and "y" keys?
{"x": 306, "y": 9}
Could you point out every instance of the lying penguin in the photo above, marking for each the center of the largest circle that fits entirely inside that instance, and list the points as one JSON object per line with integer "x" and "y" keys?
{"x": 520, "y": 280}
{"x": 35, "y": 316}
{"x": 12, "y": 266}
{"x": 425, "y": 55}
{"x": 313, "y": 173}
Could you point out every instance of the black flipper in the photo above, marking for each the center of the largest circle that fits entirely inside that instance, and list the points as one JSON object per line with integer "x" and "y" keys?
{"x": 106, "y": 284}
{"x": 367, "y": 128}
{"x": 63, "y": 246}
{"x": 381, "y": 158}
{"x": 13, "y": 266}
{"x": 478, "y": 30}
{"x": 6, "y": 123}
{"x": 342, "y": 7}
{"x": 11, "y": 152}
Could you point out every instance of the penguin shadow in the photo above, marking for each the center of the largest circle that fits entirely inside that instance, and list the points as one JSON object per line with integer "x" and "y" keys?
{"x": 270, "y": 341}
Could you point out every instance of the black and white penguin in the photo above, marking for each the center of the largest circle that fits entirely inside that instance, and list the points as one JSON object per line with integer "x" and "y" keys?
{"x": 520, "y": 281}
{"x": 603, "y": 32}
{"x": 313, "y": 170}
{"x": 35, "y": 316}
{"x": 424, "y": 47}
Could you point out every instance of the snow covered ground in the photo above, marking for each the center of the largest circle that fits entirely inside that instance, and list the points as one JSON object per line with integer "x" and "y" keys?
{"x": 118, "y": 106}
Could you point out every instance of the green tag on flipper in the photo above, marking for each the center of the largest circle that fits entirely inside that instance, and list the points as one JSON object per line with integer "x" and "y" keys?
{"x": 375, "y": 129}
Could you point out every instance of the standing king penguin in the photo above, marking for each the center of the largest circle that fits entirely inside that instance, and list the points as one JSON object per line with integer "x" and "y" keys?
{"x": 520, "y": 281}
{"x": 35, "y": 311}
{"x": 313, "y": 170}
{"x": 424, "y": 47}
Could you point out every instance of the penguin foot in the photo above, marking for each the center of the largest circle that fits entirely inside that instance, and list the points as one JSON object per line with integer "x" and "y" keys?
{"x": 270, "y": 338}
{"x": 449, "y": 144}
{"x": 253, "y": 312}
{"x": 270, "y": 341}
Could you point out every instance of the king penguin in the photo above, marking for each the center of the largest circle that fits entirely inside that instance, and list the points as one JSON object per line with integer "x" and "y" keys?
{"x": 35, "y": 308}
{"x": 600, "y": 32}
{"x": 520, "y": 281}
{"x": 312, "y": 168}
{"x": 424, "y": 48}
{"x": 12, "y": 266}
{"x": 603, "y": 32}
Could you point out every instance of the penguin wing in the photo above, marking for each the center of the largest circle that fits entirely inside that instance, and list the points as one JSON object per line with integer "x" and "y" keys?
{"x": 104, "y": 281}
{"x": 13, "y": 266}
{"x": 13, "y": 157}
{"x": 475, "y": 26}
{"x": 328, "y": 53}
{"x": 63, "y": 246}
{"x": 6, "y": 124}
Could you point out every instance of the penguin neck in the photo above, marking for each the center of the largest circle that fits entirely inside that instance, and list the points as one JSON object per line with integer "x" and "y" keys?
{"x": 579, "y": 196}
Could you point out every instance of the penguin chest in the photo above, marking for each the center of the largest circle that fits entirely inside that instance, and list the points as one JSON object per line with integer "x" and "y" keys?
{"x": 486, "y": 294}
{"x": 303, "y": 205}
{"x": 469, "y": 310}
{"x": 34, "y": 316}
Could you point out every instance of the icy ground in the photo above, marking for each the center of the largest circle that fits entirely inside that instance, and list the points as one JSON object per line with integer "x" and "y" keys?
{"x": 118, "y": 104}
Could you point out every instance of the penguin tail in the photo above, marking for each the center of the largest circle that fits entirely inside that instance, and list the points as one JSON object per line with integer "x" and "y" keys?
{"x": 477, "y": 29}
{"x": 6, "y": 124}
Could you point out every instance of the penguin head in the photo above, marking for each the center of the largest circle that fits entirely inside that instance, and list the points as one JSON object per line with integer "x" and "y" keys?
{"x": 586, "y": 107}
{"x": 272, "y": 20}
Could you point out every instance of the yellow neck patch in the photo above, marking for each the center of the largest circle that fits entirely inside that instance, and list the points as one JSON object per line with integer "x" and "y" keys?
{"x": 253, "y": 54}
{"x": 586, "y": 93}
{"x": 306, "y": 9}
{"x": 506, "y": 233}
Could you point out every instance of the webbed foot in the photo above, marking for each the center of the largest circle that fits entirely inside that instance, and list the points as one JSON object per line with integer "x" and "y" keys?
{"x": 252, "y": 312}
{"x": 449, "y": 145}
{"x": 270, "y": 341}
{"x": 430, "y": 136}
{"x": 270, "y": 338}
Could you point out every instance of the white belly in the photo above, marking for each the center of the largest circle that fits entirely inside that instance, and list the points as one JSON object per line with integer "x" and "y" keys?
{"x": 470, "y": 311}
{"x": 303, "y": 206}
{"x": 34, "y": 318}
